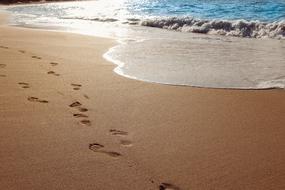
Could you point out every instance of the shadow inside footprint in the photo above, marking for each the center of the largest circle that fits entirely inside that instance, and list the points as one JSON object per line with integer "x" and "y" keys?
{"x": 36, "y": 57}
{"x": 53, "y": 73}
{"x": 86, "y": 122}
{"x": 82, "y": 109}
{"x": 111, "y": 153}
{"x": 96, "y": 147}
{"x": 35, "y": 99}
{"x": 2, "y": 75}
{"x": 76, "y": 85}
{"x": 79, "y": 115}
{"x": 24, "y": 85}
{"x": 126, "y": 142}
{"x": 78, "y": 105}
{"x": 85, "y": 96}
{"x": 4, "y": 47}
{"x": 21, "y": 51}
{"x": 43, "y": 101}
{"x": 53, "y": 63}
{"x": 118, "y": 132}
{"x": 2, "y": 65}
{"x": 75, "y": 104}
{"x": 168, "y": 186}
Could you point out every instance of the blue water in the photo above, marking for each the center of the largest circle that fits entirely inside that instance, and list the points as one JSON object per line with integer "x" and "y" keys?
{"x": 262, "y": 10}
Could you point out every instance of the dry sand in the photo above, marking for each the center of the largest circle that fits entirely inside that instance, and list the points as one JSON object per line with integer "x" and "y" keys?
{"x": 68, "y": 122}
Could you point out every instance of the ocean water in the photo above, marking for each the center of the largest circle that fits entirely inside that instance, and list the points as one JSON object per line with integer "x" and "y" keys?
{"x": 204, "y": 43}
{"x": 243, "y": 18}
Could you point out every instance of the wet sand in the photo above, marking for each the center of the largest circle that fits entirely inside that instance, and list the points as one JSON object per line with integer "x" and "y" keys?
{"x": 68, "y": 122}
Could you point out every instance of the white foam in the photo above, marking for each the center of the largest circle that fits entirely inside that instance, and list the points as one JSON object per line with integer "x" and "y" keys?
{"x": 279, "y": 83}
{"x": 238, "y": 28}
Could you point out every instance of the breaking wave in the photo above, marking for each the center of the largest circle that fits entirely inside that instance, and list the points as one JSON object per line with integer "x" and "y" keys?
{"x": 236, "y": 28}
{"x": 279, "y": 83}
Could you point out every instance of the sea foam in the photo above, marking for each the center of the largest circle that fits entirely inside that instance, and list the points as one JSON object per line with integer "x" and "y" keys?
{"x": 238, "y": 28}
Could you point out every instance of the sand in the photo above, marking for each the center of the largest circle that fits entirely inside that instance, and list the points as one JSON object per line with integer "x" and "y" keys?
{"x": 68, "y": 122}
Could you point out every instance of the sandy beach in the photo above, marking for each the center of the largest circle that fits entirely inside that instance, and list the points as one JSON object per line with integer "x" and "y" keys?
{"x": 67, "y": 121}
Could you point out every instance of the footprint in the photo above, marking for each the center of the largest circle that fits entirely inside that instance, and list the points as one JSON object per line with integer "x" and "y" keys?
{"x": 2, "y": 75}
{"x": 36, "y": 57}
{"x": 24, "y": 85}
{"x": 76, "y": 86}
{"x": 82, "y": 109}
{"x": 2, "y": 65}
{"x": 123, "y": 142}
{"x": 85, "y": 96}
{"x": 86, "y": 122}
{"x": 43, "y": 101}
{"x": 78, "y": 106}
{"x": 118, "y": 132}
{"x": 78, "y": 115}
{"x": 35, "y": 99}
{"x": 21, "y": 51}
{"x": 168, "y": 186}
{"x": 75, "y": 104}
{"x": 52, "y": 73}
{"x": 126, "y": 142}
{"x": 96, "y": 147}
{"x": 53, "y": 63}
{"x": 4, "y": 47}
{"x": 111, "y": 153}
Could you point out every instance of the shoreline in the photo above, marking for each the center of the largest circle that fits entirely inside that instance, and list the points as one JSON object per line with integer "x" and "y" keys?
{"x": 163, "y": 67}
{"x": 133, "y": 135}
